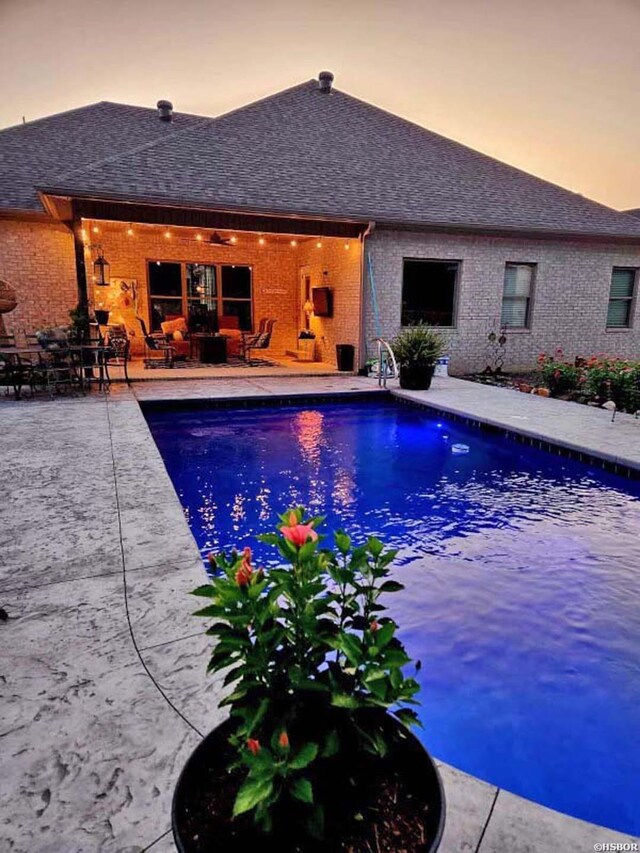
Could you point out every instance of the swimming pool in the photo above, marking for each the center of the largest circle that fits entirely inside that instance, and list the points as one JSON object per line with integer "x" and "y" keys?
{"x": 522, "y": 574}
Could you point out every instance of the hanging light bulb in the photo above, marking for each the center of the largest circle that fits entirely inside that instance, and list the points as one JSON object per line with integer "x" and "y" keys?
{"x": 319, "y": 244}
{"x": 130, "y": 230}
{"x": 95, "y": 229}
{"x": 199, "y": 237}
{"x": 347, "y": 246}
{"x": 233, "y": 239}
{"x": 294, "y": 243}
{"x": 261, "y": 241}
{"x": 167, "y": 234}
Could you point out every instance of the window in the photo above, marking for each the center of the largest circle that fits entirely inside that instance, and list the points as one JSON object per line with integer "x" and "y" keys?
{"x": 165, "y": 292}
{"x": 200, "y": 292}
{"x": 623, "y": 285}
{"x": 429, "y": 292}
{"x": 516, "y": 295}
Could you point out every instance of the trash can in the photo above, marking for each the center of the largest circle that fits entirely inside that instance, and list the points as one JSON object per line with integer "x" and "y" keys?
{"x": 345, "y": 356}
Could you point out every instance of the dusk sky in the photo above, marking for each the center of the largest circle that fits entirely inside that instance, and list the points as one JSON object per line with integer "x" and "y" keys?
{"x": 551, "y": 86}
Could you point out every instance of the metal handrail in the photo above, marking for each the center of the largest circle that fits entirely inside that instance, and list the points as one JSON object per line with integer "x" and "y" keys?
{"x": 384, "y": 353}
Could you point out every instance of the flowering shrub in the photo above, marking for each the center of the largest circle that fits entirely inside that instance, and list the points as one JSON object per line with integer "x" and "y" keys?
{"x": 559, "y": 376}
{"x": 599, "y": 378}
{"x": 309, "y": 654}
{"x": 613, "y": 379}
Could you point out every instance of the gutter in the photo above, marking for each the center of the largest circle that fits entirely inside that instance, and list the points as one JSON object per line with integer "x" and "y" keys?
{"x": 362, "y": 345}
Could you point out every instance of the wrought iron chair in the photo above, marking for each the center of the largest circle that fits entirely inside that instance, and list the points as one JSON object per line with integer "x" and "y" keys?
{"x": 258, "y": 340}
{"x": 158, "y": 352}
{"x": 118, "y": 353}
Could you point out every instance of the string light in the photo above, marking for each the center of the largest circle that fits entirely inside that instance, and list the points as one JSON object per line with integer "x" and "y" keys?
{"x": 95, "y": 229}
{"x": 167, "y": 234}
{"x": 130, "y": 230}
{"x": 347, "y": 246}
{"x": 319, "y": 244}
{"x": 294, "y": 243}
{"x": 261, "y": 241}
{"x": 198, "y": 237}
{"x": 233, "y": 239}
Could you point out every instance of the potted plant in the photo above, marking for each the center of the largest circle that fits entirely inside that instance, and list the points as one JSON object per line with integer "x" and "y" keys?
{"x": 310, "y": 757}
{"x": 417, "y": 350}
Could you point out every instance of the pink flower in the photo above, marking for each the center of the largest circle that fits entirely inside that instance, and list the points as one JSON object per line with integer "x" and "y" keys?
{"x": 298, "y": 534}
{"x": 253, "y": 746}
{"x": 373, "y": 627}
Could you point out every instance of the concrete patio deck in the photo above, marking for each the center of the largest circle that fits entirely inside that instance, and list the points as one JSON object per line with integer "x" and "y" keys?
{"x": 103, "y": 670}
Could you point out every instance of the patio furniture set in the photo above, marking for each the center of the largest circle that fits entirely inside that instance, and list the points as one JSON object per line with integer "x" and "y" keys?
{"x": 56, "y": 360}
{"x": 176, "y": 342}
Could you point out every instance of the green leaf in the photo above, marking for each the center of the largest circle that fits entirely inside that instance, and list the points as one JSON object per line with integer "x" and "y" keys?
{"x": 344, "y": 700}
{"x": 408, "y": 717}
{"x": 384, "y": 634}
{"x": 350, "y": 645}
{"x": 391, "y": 586}
{"x": 207, "y": 590}
{"x": 374, "y": 546}
{"x": 331, "y": 744}
{"x": 304, "y": 757}
{"x": 343, "y": 542}
{"x": 252, "y": 792}
{"x": 301, "y": 789}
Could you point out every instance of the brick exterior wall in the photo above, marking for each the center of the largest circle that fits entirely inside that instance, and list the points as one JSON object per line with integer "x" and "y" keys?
{"x": 571, "y": 293}
{"x": 343, "y": 267}
{"x": 38, "y": 260}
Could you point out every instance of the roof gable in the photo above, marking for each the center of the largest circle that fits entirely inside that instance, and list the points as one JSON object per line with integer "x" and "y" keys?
{"x": 37, "y": 152}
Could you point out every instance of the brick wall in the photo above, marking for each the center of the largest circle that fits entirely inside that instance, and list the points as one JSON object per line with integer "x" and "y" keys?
{"x": 569, "y": 302}
{"x": 38, "y": 260}
{"x": 343, "y": 267}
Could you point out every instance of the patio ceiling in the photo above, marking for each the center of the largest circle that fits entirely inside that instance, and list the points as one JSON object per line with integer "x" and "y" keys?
{"x": 72, "y": 210}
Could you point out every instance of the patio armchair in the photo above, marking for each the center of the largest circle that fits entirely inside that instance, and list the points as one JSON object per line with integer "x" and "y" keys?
{"x": 176, "y": 332}
{"x": 15, "y": 373}
{"x": 158, "y": 352}
{"x": 229, "y": 326}
{"x": 119, "y": 347}
{"x": 258, "y": 340}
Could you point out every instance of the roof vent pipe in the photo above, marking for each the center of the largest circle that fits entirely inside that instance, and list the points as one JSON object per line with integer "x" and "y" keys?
{"x": 165, "y": 110}
{"x": 325, "y": 81}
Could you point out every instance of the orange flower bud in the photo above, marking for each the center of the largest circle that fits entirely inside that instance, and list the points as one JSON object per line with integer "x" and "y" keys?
{"x": 243, "y": 575}
{"x": 373, "y": 627}
{"x": 283, "y": 740}
{"x": 253, "y": 746}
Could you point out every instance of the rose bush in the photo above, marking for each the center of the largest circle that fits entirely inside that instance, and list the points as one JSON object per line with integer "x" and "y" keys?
{"x": 308, "y": 652}
{"x": 598, "y": 378}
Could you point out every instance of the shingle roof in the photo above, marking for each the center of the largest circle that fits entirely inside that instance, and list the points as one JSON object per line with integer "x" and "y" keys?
{"x": 635, "y": 211}
{"x": 305, "y": 152}
{"x": 36, "y": 153}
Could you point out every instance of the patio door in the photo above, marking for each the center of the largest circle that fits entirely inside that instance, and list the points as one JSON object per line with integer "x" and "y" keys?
{"x": 305, "y": 295}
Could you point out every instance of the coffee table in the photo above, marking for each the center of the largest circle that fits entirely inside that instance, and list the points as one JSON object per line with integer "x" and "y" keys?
{"x": 210, "y": 349}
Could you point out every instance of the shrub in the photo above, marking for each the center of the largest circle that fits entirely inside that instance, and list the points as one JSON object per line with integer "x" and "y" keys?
{"x": 418, "y": 346}
{"x": 560, "y": 376}
{"x": 614, "y": 379}
{"x": 309, "y": 654}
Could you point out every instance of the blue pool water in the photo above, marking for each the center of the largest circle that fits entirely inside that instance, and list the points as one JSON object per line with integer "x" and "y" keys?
{"x": 522, "y": 573}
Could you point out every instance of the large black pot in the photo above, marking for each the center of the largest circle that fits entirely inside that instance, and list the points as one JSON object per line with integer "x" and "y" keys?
{"x": 416, "y": 377}
{"x": 102, "y": 317}
{"x": 213, "y": 753}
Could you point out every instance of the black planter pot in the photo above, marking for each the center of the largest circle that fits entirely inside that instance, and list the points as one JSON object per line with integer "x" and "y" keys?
{"x": 417, "y": 377}
{"x": 212, "y": 755}
{"x": 102, "y": 317}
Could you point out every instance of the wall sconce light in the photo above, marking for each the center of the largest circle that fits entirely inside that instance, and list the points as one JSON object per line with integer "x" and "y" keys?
{"x": 101, "y": 269}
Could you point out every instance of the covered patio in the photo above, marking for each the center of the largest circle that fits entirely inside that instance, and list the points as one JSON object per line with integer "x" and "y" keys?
{"x": 219, "y": 291}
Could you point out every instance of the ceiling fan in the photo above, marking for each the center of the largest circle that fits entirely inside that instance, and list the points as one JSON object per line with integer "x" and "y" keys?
{"x": 218, "y": 240}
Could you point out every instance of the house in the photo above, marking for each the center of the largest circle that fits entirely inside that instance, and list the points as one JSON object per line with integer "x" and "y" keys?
{"x": 308, "y": 199}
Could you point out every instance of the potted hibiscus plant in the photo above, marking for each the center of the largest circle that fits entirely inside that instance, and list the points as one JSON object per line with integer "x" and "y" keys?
{"x": 310, "y": 757}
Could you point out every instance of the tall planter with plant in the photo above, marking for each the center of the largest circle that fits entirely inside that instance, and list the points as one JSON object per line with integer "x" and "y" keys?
{"x": 309, "y": 759}
{"x": 417, "y": 350}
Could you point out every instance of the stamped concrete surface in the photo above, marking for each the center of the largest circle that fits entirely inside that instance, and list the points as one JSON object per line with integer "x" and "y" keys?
{"x": 103, "y": 691}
